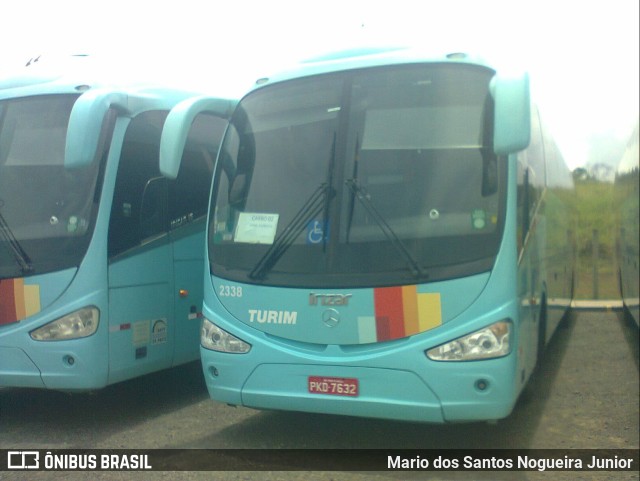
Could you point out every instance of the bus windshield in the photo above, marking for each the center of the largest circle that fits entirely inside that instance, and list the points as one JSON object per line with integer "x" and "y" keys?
{"x": 46, "y": 211}
{"x": 373, "y": 177}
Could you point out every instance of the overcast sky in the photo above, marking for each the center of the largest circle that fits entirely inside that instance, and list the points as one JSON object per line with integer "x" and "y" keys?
{"x": 582, "y": 56}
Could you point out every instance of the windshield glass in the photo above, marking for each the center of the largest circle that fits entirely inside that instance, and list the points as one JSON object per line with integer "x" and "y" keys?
{"x": 46, "y": 211}
{"x": 362, "y": 178}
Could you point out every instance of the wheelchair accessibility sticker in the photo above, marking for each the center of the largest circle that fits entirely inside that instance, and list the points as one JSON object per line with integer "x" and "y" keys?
{"x": 315, "y": 232}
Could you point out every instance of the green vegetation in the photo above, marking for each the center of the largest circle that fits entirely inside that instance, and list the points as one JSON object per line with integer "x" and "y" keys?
{"x": 595, "y": 206}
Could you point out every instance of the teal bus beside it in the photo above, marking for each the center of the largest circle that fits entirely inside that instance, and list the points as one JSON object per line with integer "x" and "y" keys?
{"x": 389, "y": 236}
{"x": 101, "y": 257}
{"x": 627, "y": 198}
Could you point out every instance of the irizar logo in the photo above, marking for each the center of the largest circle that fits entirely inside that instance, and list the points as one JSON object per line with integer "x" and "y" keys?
{"x": 329, "y": 299}
{"x": 273, "y": 317}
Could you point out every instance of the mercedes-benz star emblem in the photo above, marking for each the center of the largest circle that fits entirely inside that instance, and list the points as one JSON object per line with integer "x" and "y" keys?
{"x": 331, "y": 317}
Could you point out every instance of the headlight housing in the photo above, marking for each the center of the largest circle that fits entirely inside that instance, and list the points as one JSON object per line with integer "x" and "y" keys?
{"x": 487, "y": 343}
{"x": 81, "y": 323}
{"x": 216, "y": 339}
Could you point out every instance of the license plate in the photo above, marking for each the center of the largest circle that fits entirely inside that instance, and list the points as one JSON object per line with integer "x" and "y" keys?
{"x": 336, "y": 386}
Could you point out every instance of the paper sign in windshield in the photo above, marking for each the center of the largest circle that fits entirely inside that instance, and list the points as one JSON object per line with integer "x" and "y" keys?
{"x": 256, "y": 228}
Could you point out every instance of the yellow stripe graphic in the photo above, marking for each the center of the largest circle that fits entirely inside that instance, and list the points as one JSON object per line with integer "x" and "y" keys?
{"x": 31, "y": 300}
{"x": 18, "y": 297}
{"x": 429, "y": 311}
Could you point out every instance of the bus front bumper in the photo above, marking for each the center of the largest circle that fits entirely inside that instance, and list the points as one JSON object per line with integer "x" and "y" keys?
{"x": 466, "y": 392}
{"x": 63, "y": 365}
{"x": 18, "y": 370}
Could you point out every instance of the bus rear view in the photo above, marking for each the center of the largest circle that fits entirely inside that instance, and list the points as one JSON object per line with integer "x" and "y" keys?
{"x": 362, "y": 243}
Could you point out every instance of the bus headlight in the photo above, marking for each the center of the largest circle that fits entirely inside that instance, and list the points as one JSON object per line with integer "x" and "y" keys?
{"x": 78, "y": 324}
{"x": 216, "y": 339}
{"x": 491, "y": 342}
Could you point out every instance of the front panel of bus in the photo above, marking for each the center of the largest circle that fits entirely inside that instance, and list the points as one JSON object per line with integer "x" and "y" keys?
{"x": 101, "y": 264}
{"x": 47, "y": 216}
{"x": 361, "y": 251}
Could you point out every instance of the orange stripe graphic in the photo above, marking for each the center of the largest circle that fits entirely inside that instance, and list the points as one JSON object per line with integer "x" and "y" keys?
{"x": 410, "y": 308}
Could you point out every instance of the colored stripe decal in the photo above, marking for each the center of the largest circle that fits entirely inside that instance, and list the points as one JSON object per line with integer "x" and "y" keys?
{"x": 410, "y": 308}
{"x": 18, "y": 300}
{"x": 400, "y": 312}
{"x": 367, "y": 330}
{"x": 429, "y": 311}
{"x": 7, "y": 302}
{"x": 19, "y": 297}
{"x": 31, "y": 300}
{"x": 389, "y": 313}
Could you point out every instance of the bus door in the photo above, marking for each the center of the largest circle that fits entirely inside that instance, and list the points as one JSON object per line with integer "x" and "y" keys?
{"x": 141, "y": 325}
{"x": 188, "y": 203}
{"x": 156, "y": 247}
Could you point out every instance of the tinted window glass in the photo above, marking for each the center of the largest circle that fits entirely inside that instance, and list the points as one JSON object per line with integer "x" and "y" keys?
{"x": 369, "y": 177}
{"x": 139, "y": 199}
{"x": 189, "y": 193}
{"x": 47, "y": 212}
{"x": 147, "y": 205}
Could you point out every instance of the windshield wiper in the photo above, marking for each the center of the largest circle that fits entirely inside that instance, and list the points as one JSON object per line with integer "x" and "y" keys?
{"x": 327, "y": 197}
{"x": 363, "y": 196}
{"x": 319, "y": 201}
{"x": 19, "y": 254}
{"x": 354, "y": 178}
{"x": 314, "y": 205}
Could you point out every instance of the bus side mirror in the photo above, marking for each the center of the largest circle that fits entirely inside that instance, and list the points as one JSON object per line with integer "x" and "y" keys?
{"x": 512, "y": 129}
{"x": 85, "y": 125}
{"x": 176, "y": 129}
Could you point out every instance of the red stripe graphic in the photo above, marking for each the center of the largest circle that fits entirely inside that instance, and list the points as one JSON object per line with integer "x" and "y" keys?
{"x": 7, "y": 302}
{"x": 389, "y": 313}
{"x": 383, "y": 330}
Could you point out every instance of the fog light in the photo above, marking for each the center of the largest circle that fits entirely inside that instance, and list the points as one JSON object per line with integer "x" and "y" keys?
{"x": 482, "y": 384}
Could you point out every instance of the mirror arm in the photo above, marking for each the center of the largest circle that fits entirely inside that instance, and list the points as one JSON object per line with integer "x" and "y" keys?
{"x": 85, "y": 124}
{"x": 177, "y": 125}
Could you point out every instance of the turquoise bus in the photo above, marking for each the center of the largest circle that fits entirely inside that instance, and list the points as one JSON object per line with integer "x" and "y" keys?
{"x": 101, "y": 257}
{"x": 388, "y": 237}
{"x": 627, "y": 196}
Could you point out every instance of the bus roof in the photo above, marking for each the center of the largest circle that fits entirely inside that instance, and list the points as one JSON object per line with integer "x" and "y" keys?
{"x": 79, "y": 73}
{"x": 365, "y": 58}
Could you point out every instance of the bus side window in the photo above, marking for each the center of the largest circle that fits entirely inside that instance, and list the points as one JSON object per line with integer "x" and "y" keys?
{"x": 153, "y": 208}
{"x": 523, "y": 203}
{"x": 139, "y": 199}
{"x": 531, "y": 180}
{"x": 189, "y": 194}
